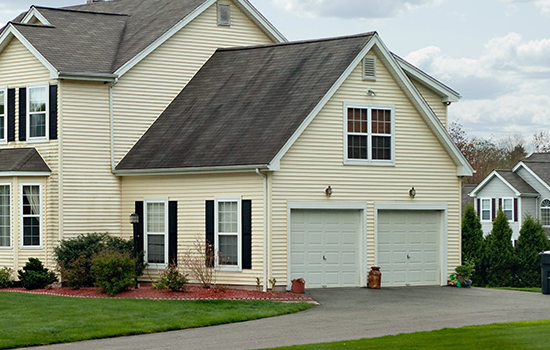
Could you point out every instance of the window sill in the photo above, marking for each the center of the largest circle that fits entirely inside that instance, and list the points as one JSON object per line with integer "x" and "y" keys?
{"x": 369, "y": 162}
{"x": 41, "y": 140}
{"x": 227, "y": 268}
{"x": 31, "y": 247}
{"x": 6, "y": 248}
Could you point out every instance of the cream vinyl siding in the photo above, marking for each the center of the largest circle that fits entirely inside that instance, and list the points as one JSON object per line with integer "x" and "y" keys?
{"x": 143, "y": 93}
{"x": 434, "y": 101}
{"x": 315, "y": 161}
{"x": 20, "y": 67}
{"x": 91, "y": 193}
{"x": 191, "y": 192}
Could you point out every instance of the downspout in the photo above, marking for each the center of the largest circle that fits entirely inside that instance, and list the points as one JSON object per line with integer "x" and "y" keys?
{"x": 265, "y": 227}
{"x": 112, "y": 123}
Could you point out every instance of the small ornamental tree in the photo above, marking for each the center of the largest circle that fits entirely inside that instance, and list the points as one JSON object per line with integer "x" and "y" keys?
{"x": 532, "y": 240}
{"x": 498, "y": 258}
{"x": 472, "y": 236}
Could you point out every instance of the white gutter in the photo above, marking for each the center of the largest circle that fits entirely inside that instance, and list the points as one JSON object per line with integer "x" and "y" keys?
{"x": 88, "y": 76}
{"x": 112, "y": 124}
{"x": 191, "y": 170}
{"x": 265, "y": 227}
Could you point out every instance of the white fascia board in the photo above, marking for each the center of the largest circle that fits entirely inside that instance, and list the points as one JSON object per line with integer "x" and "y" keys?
{"x": 12, "y": 31}
{"x": 518, "y": 165}
{"x": 262, "y": 21}
{"x": 164, "y": 37}
{"x": 542, "y": 182}
{"x": 190, "y": 171}
{"x": 33, "y": 12}
{"x": 24, "y": 173}
{"x": 448, "y": 94}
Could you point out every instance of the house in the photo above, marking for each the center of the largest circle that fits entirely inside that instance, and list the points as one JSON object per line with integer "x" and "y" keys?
{"x": 523, "y": 190}
{"x": 312, "y": 159}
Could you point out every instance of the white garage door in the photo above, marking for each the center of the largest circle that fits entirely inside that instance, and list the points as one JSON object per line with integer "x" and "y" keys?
{"x": 409, "y": 247}
{"x": 324, "y": 247}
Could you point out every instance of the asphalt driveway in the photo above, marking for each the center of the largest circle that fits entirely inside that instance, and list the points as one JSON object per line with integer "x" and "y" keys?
{"x": 352, "y": 313}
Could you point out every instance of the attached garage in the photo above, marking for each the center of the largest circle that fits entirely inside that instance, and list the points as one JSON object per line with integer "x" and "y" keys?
{"x": 409, "y": 247}
{"x": 325, "y": 247}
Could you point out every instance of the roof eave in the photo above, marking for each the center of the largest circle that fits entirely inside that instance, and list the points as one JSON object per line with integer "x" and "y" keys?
{"x": 24, "y": 173}
{"x": 192, "y": 170}
{"x": 105, "y": 77}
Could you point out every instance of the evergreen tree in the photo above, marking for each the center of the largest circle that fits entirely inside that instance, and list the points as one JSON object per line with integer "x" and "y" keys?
{"x": 499, "y": 258}
{"x": 472, "y": 236}
{"x": 532, "y": 240}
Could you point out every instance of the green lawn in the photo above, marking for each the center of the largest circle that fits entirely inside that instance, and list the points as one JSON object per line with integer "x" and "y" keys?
{"x": 27, "y": 319}
{"x": 499, "y": 336}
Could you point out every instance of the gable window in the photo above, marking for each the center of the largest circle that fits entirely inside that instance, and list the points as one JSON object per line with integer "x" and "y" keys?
{"x": 156, "y": 235}
{"x": 508, "y": 208}
{"x": 369, "y": 135}
{"x": 485, "y": 209}
{"x": 228, "y": 232}
{"x": 31, "y": 208}
{"x": 3, "y": 115}
{"x": 5, "y": 216}
{"x": 37, "y": 115}
{"x": 545, "y": 212}
{"x": 224, "y": 15}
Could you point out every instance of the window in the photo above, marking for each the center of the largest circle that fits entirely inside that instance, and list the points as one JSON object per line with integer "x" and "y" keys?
{"x": 5, "y": 216}
{"x": 508, "y": 208}
{"x": 369, "y": 135}
{"x": 486, "y": 209}
{"x": 31, "y": 207}
{"x": 228, "y": 233}
{"x": 224, "y": 15}
{"x": 3, "y": 115}
{"x": 156, "y": 227}
{"x": 545, "y": 212}
{"x": 37, "y": 115}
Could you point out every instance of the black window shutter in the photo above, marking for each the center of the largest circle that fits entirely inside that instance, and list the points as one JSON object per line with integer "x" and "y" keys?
{"x": 11, "y": 114}
{"x": 246, "y": 213}
{"x": 515, "y": 209}
{"x": 479, "y": 207}
{"x": 22, "y": 114}
{"x": 53, "y": 112}
{"x": 493, "y": 202}
{"x": 210, "y": 229}
{"x": 138, "y": 229}
{"x": 500, "y": 204}
{"x": 173, "y": 232}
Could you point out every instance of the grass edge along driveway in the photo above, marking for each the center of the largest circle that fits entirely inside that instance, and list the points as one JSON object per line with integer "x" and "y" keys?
{"x": 501, "y": 336}
{"x": 30, "y": 319}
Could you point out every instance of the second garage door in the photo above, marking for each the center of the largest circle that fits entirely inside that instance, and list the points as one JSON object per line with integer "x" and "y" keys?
{"x": 408, "y": 247}
{"x": 324, "y": 247}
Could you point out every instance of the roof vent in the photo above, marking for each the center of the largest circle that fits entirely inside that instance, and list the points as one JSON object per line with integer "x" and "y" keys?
{"x": 224, "y": 15}
{"x": 92, "y": 1}
{"x": 369, "y": 68}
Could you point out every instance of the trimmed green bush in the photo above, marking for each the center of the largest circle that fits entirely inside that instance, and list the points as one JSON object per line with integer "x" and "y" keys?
{"x": 35, "y": 276}
{"x": 532, "y": 240}
{"x": 172, "y": 279}
{"x": 6, "y": 279}
{"x": 498, "y": 259}
{"x": 114, "y": 272}
{"x": 472, "y": 236}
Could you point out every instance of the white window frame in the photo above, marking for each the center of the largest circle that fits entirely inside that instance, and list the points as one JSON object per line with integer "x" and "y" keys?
{"x": 540, "y": 211}
{"x": 46, "y": 136}
{"x": 369, "y": 134}
{"x": 11, "y": 219}
{"x": 512, "y": 209}
{"x": 4, "y": 140}
{"x": 40, "y": 218}
{"x": 490, "y": 209}
{"x": 146, "y": 233}
{"x": 220, "y": 9}
{"x": 239, "y": 233}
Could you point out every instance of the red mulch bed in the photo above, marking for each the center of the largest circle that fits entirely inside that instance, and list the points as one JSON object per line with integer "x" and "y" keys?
{"x": 192, "y": 293}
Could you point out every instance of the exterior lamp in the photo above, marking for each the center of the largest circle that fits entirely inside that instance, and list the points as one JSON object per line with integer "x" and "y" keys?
{"x": 134, "y": 218}
{"x": 412, "y": 192}
{"x": 328, "y": 191}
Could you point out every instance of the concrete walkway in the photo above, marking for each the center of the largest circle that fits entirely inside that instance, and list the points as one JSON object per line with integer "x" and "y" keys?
{"x": 348, "y": 314}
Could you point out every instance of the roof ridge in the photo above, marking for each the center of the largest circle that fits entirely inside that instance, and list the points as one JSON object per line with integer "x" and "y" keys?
{"x": 298, "y": 42}
{"x": 81, "y": 11}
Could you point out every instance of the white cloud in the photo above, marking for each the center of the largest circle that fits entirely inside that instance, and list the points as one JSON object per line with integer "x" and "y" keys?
{"x": 542, "y": 5}
{"x": 352, "y": 9}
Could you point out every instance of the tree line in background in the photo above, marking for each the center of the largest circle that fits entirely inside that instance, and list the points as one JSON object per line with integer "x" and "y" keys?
{"x": 485, "y": 155}
{"x": 497, "y": 262}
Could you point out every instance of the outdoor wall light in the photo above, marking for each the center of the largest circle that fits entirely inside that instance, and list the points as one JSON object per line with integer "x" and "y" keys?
{"x": 134, "y": 218}
{"x": 328, "y": 191}
{"x": 371, "y": 92}
{"x": 412, "y": 192}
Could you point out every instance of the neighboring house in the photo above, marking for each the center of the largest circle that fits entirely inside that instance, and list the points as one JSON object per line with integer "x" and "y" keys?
{"x": 312, "y": 159}
{"x": 523, "y": 190}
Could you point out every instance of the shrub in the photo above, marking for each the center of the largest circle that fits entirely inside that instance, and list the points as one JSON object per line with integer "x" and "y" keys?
{"x": 172, "y": 279}
{"x": 199, "y": 261}
{"x": 6, "y": 279}
{"x": 532, "y": 240}
{"x": 472, "y": 236}
{"x": 465, "y": 270}
{"x": 498, "y": 258}
{"x": 114, "y": 272}
{"x": 35, "y": 276}
{"x": 75, "y": 256}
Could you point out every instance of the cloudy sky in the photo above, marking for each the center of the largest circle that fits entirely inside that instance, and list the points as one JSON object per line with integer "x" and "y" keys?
{"x": 496, "y": 53}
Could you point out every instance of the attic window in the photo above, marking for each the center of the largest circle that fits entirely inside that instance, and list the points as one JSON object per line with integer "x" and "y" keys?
{"x": 369, "y": 68}
{"x": 224, "y": 15}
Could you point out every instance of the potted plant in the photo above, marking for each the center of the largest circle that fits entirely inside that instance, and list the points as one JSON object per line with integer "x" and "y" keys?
{"x": 464, "y": 273}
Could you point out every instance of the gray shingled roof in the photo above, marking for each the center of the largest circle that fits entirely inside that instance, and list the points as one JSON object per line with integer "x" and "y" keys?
{"x": 517, "y": 182}
{"x": 539, "y": 163}
{"x": 22, "y": 159}
{"x": 244, "y": 105}
{"x": 100, "y": 37}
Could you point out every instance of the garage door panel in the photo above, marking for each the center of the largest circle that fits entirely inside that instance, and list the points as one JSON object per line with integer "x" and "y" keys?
{"x": 298, "y": 238}
{"x": 399, "y": 238}
{"x": 415, "y": 238}
{"x": 399, "y": 257}
{"x": 315, "y": 238}
{"x": 332, "y": 238}
{"x": 332, "y": 258}
{"x": 431, "y": 256}
{"x": 298, "y": 258}
{"x": 349, "y": 258}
